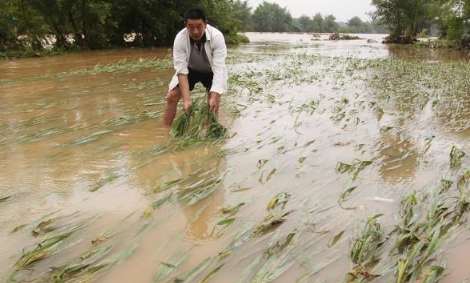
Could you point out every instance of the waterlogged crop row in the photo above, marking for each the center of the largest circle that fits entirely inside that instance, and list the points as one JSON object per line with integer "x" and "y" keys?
{"x": 291, "y": 230}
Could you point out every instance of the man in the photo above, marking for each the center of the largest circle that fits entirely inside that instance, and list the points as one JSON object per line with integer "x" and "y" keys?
{"x": 199, "y": 53}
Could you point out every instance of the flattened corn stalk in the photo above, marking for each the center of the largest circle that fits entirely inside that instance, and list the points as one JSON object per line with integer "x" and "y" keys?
{"x": 198, "y": 123}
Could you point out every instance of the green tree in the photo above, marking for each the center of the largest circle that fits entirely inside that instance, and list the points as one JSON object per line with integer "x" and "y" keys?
{"x": 377, "y": 27}
{"x": 403, "y": 17}
{"x": 151, "y": 22}
{"x": 318, "y": 24}
{"x": 457, "y": 22}
{"x": 271, "y": 17}
{"x": 92, "y": 23}
{"x": 219, "y": 15}
{"x": 305, "y": 23}
{"x": 330, "y": 24}
{"x": 22, "y": 26}
{"x": 242, "y": 13}
{"x": 54, "y": 14}
{"x": 7, "y": 28}
{"x": 356, "y": 25}
{"x": 408, "y": 17}
{"x": 438, "y": 12}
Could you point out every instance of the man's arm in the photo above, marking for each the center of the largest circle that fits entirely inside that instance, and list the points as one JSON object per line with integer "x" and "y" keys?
{"x": 184, "y": 89}
{"x": 219, "y": 81}
{"x": 180, "y": 62}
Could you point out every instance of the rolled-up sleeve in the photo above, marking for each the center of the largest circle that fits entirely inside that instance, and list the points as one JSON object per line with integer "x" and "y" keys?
{"x": 219, "y": 81}
{"x": 180, "y": 60}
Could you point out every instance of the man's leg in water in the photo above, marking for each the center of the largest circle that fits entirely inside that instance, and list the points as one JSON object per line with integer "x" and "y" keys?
{"x": 172, "y": 99}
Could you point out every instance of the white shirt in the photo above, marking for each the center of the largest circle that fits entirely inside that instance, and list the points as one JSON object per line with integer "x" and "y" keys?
{"x": 216, "y": 51}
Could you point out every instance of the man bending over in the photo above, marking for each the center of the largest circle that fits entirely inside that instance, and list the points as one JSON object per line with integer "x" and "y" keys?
{"x": 199, "y": 53}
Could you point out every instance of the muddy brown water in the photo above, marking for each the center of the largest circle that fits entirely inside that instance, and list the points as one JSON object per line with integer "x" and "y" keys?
{"x": 65, "y": 155}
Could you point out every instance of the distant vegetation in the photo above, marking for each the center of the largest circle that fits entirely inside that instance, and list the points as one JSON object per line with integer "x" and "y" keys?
{"x": 31, "y": 26}
{"x": 448, "y": 19}
{"x": 28, "y": 27}
{"x": 100, "y": 24}
{"x": 270, "y": 17}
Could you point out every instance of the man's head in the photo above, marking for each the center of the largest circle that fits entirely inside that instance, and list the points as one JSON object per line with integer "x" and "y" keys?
{"x": 196, "y": 23}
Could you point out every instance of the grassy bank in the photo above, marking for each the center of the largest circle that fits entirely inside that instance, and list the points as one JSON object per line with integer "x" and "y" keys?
{"x": 440, "y": 44}
{"x": 30, "y": 53}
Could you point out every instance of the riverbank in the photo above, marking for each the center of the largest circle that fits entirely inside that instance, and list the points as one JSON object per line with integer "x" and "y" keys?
{"x": 241, "y": 38}
{"x": 434, "y": 43}
{"x": 27, "y": 52}
{"x": 30, "y": 53}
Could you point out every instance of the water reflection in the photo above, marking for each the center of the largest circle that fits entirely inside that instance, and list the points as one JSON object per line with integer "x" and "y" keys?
{"x": 399, "y": 157}
{"x": 200, "y": 214}
{"x": 425, "y": 54}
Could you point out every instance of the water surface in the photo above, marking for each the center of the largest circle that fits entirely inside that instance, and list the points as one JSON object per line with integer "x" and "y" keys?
{"x": 81, "y": 144}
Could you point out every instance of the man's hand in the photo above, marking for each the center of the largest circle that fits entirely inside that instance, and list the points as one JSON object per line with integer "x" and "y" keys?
{"x": 214, "y": 101}
{"x": 186, "y": 105}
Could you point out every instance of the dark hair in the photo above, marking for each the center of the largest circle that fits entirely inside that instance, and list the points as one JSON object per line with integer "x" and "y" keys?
{"x": 195, "y": 14}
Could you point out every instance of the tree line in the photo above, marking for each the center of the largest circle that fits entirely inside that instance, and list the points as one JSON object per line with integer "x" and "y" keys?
{"x": 100, "y": 24}
{"x": 403, "y": 19}
{"x": 270, "y": 17}
{"x": 448, "y": 19}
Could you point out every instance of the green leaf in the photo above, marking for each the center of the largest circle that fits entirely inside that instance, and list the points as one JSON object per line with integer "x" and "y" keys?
{"x": 342, "y": 167}
{"x": 271, "y": 223}
{"x": 231, "y": 210}
{"x": 456, "y": 156}
{"x": 434, "y": 274}
{"x": 401, "y": 271}
{"x": 167, "y": 185}
{"x": 309, "y": 143}
{"x": 335, "y": 239}
{"x": 347, "y": 194}
{"x": 227, "y": 221}
{"x": 261, "y": 163}
{"x": 169, "y": 266}
{"x": 211, "y": 274}
{"x": 280, "y": 198}
{"x": 445, "y": 186}
{"x": 110, "y": 232}
{"x": 3, "y": 199}
{"x": 191, "y": 274}
{"x": 271, "y": 174}
{"x": 120, "y": 257}
{"x": 358, "y": 166}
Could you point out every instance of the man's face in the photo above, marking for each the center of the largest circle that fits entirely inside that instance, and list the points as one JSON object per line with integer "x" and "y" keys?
{"x": 196, "y": 28}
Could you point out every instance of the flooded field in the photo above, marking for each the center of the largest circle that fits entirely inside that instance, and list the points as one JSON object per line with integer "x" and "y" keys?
{"x": 345, "y": 162}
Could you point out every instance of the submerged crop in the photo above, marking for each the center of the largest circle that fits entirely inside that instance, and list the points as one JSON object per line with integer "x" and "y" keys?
{"x": 319, "y": 147}
{"x": 198, "y": 123}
